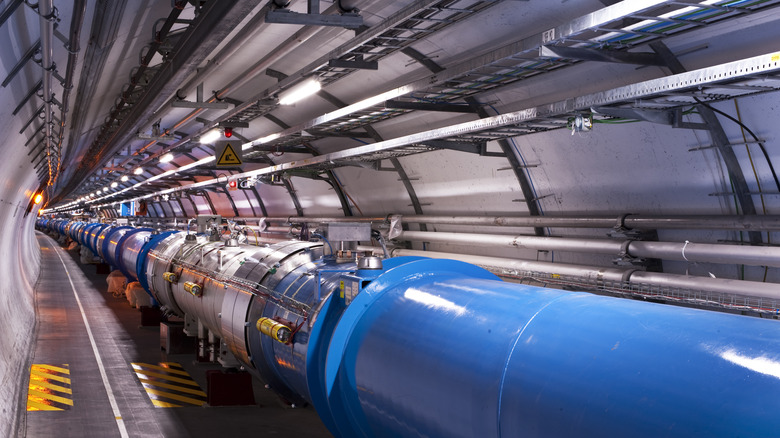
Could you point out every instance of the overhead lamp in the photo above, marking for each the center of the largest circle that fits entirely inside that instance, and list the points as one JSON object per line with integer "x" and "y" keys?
{"x": 114, "y": 185}
{"x": 138, "y": 170}
{"x": 166, "y": 158}
{"x": 124, "y": 178}
{"x": 38, "y": 198}
{"x": 210, "y": 137}
{"x": 299, "y": 91}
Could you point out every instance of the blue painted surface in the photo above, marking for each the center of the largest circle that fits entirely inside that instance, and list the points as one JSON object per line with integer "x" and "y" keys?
{"x": 441, "y": 348}
{"x": 103, "y": 244}
{"x": 140, "y": 266}
{"x": 132, "y": 275}
{"x": 441, "y": 352}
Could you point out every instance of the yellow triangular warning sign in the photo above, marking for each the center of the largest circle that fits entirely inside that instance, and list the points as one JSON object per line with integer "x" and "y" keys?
{"x": 229, "y": 157}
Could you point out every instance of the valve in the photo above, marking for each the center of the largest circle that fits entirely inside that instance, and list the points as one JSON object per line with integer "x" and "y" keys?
{"x": 275, "y": 329}
{"x": 193, "y": 288}
{"x": 170, "y": 277}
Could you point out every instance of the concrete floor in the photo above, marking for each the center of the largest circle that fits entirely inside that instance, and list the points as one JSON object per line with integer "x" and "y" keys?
{"x": 62, "y": 338}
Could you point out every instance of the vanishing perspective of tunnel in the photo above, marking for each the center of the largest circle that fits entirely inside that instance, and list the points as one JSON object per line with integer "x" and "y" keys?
{"x": 433, "y": 218}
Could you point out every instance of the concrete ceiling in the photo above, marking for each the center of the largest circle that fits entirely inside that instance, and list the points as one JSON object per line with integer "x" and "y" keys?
{"x": 623, "y": 165}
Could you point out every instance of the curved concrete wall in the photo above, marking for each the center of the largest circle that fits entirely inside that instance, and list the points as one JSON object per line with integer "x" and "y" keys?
{"x": 19, "y": 268}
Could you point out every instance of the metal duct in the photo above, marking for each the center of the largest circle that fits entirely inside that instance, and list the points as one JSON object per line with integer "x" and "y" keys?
{"x": 426, "y": 347}
{"x": 686, "y": 251}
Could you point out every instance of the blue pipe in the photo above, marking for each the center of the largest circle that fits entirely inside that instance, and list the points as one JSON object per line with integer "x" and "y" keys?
{"x": 104, "y": 240}
{"x": 140, "y": 266}
{"x": 121, "y": 247}
{"x": 440, "y": 348}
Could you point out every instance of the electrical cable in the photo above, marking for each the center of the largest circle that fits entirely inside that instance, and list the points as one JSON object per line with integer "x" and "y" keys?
{"x": 758, "y": 182}
{"x": 752, "y": 134}
{"x": 378, "y": 237}
{"x": 530, "y": 181}
{"x": 324, "y": 239}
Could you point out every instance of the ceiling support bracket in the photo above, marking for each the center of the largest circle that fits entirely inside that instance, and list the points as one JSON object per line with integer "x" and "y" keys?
{"x": 349, "y": 20}
{"x": 721, "y": 142}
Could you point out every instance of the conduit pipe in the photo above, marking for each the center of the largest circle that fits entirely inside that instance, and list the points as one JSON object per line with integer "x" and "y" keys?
{"x": 628, "y": 221}
{"x": 74, "y": 47}
{"x": 612, "y": 275}
{"x": 280, "y": 51}
{"x": 377, "y": 347}
{"x": 693, "y": 222}
{"x": 45, "y": 9}
{"x": 688, "y": 252}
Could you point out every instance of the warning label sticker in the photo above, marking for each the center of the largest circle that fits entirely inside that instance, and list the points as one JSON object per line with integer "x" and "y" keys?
{"x": 228, "y": 153}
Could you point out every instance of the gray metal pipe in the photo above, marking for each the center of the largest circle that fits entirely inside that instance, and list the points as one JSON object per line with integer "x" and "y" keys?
{"x": 641, "y": 222}
{"x": 691, "y": 252}
{"x": 45, "y": 8}
{"x": 613, "y": 275}
{"x": 707, "y": 253}
{"x": 314, "y": 219}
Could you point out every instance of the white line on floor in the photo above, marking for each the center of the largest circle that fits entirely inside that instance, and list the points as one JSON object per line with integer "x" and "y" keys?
{"x": 117, "y": 415}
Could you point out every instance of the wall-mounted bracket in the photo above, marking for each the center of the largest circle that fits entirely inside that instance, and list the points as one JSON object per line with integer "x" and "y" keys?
{"x": 314, "y": 18}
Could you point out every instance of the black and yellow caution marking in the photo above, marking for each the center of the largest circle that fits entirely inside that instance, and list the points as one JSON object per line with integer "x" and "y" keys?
{"x": 49, "y": 388}
{"x": 228, "y": 153}
{"x": 168, "y": 385}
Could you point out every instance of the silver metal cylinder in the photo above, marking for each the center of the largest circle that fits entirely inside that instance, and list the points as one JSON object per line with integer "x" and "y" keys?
{"x": 630, "y": 221}
{"x": 683, "y": 251}
{"x": 634, "y": 277}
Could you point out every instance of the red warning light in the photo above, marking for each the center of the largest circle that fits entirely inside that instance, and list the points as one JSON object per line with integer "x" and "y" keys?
{"x": 232, "y": 184}
{"x": 228, "y": 132}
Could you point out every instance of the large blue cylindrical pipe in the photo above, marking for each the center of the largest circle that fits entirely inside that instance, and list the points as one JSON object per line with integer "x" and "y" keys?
{"x": 443, "y": 348}
{"x": 438, "y": 348}
{"x": 125, "y": 250}
{"x": 105, "y": 248}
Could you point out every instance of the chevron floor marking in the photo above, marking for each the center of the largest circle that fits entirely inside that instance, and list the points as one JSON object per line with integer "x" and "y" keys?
{"x": 168, "y": 385}
{"x": 49, "y": 388}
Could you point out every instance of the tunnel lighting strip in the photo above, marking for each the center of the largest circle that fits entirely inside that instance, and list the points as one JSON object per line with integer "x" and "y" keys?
{"x": 588, "y": 22}
{"x": 762, "y": 65}
{"x": 561, "y": 33}
{"x": 582, "y": 24}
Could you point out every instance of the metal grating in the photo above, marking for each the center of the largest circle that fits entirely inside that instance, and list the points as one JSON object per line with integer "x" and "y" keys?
{"x": 698, "y": 298}
{"x": 620, "y": 26}
{"x": 406, "y": 27}
{"x": 616, "y": 27}
{"x": 739, "y": 78}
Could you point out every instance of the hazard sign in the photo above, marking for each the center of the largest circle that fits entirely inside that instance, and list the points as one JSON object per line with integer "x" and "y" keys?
{"x": 228, "y": 153}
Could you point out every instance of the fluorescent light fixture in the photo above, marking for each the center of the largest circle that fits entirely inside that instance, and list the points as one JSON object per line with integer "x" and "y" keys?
{"x": 167, "y": 158}
{"x": 124, "y": 178}
{"x": 299, "y": 91}
{"x": 114, "y": 185}
{"x": 210, "y": 137}
{"x": 138, "y": 170}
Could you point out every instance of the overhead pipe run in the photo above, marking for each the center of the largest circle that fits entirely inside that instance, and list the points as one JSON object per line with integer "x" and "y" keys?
{"x": 46, "y": 20}
{"x": 74, "y": 47}
{"x": 627, "y": 221}
{"x": 686, "y": 251}
{"x": 613, "y": 276}
{"x": 375, "y": 345}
